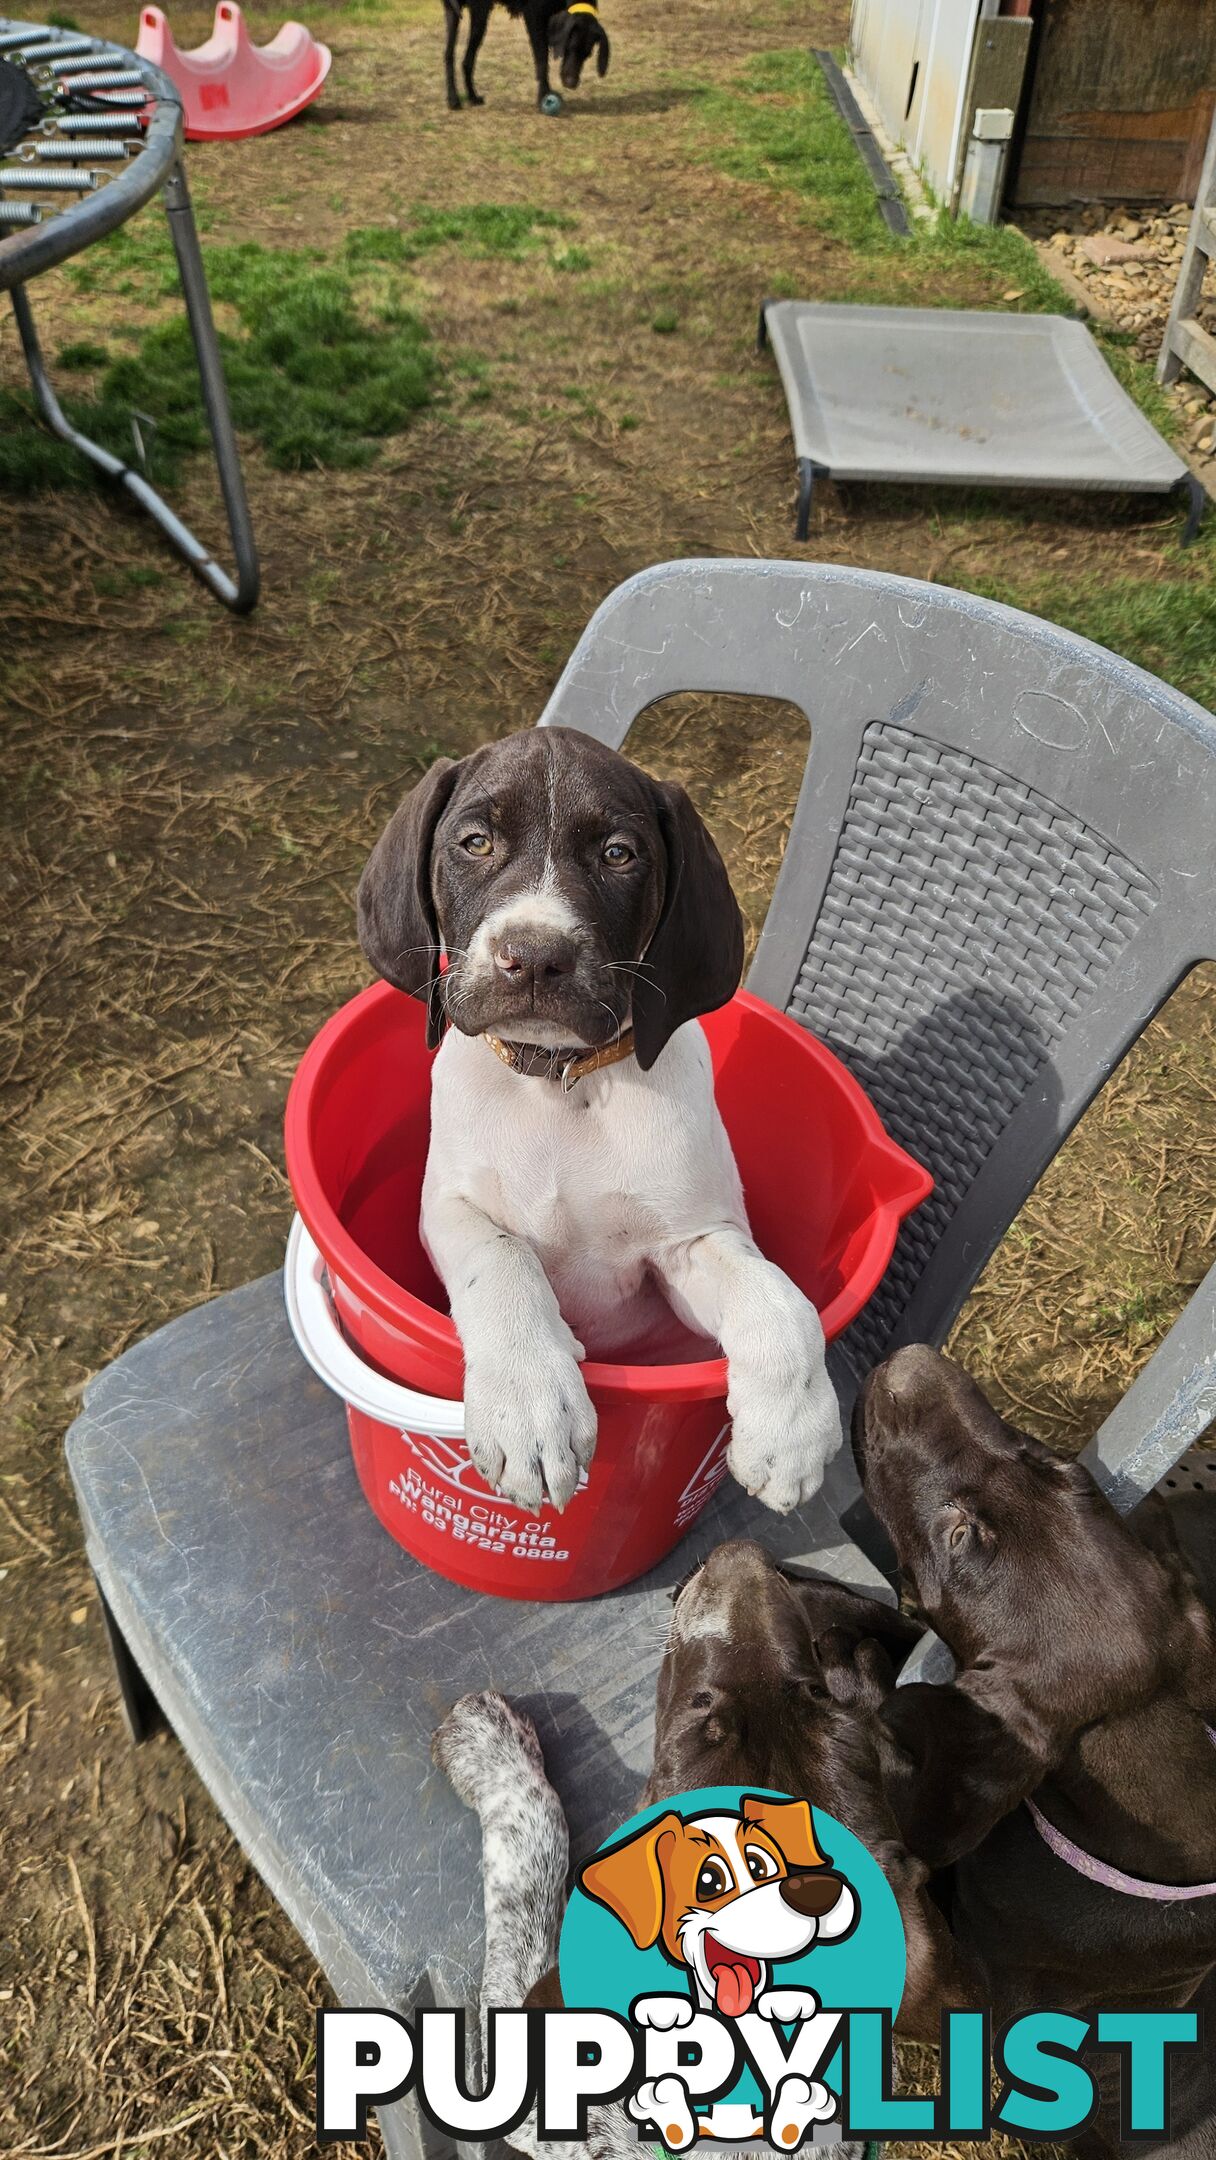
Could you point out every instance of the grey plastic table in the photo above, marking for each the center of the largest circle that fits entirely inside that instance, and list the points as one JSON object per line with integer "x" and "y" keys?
{"x": 106, "y": 137}
{"x": 963, "y": 397}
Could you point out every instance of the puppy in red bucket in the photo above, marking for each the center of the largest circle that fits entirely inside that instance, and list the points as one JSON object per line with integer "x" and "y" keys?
{"x": 566, "y": 918}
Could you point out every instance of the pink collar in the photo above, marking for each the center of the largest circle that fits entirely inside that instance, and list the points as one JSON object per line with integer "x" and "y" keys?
{"x": 1113, "y": 1878}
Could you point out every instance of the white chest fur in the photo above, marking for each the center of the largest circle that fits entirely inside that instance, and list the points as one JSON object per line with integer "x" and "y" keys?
{"x": 597, "y": 1178}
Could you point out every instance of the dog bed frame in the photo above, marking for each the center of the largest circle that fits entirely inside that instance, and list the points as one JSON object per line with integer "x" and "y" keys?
{"x": 961, "y": 397}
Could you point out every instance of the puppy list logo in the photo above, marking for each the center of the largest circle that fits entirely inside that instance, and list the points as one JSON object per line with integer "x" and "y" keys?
{"x": 733, "y": 1931}
{"x": 731, "y": 1966}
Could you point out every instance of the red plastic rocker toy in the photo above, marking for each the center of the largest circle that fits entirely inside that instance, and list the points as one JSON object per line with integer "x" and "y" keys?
{"x": 231, "y": 87}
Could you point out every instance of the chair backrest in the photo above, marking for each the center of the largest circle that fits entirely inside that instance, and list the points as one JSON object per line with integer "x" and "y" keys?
{"x": 1000, "y": 866}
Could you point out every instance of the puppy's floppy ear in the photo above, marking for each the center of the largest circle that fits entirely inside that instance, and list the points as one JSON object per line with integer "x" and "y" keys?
{"x": 603, "y": 50}
{"x": 629, "y": 1879}
{"x": 789, "y": 1824}
{"x": 830, "y": 1605}
{"x": 396, "y": 906}
{"x": 695, "y": 958}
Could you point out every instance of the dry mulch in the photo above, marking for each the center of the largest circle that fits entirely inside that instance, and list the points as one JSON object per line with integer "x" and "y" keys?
{"x": 187, "y": 802}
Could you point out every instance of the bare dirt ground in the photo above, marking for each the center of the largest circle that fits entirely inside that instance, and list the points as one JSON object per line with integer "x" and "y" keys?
{"x": 188, "y": 803}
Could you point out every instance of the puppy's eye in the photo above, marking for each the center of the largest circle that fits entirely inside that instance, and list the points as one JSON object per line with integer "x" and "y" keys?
{"x": 958, "y": 1529}
{"x": 618, "y": 854}
{"x": 713, "y": 1880}
{"x": 477, "y": 843}
{"x": 761, "y": 1864}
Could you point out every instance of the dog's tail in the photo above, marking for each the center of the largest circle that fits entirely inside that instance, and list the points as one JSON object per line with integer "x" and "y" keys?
{"x": 492, "y": 1757}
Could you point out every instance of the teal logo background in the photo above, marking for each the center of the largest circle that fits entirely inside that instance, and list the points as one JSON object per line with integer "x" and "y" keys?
{"x": 601, "y": 1967}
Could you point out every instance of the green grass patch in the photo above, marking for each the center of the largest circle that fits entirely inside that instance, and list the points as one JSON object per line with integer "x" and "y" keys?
{"x": 83, "y": 356}
{"x": 1166, "y": 625}
{"x": 777, "y": 124}
{"x": 321, "y": 364}
{"x": 487, "y": 231}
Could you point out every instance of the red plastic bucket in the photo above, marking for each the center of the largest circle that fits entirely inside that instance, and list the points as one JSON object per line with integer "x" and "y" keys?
{"x": 826, "y": 1191}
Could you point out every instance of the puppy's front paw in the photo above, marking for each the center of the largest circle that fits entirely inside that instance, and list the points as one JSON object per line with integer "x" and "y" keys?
{"x": 529, "y": 1431}
{"x": 786, "y": 1429}
{"x": 483, "y": 1743}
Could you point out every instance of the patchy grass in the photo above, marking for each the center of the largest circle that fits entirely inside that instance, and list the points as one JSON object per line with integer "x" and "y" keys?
{"x": 777, "y": 123}
{"x": 189, "y": 799}
{"x": 321, "y": 358}
{"x": 1167, "y": 625}
{"x": 317, "y": 372}
{"x": 506, "y": 232}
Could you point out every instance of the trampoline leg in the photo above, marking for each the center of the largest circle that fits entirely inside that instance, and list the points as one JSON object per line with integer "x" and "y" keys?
{"x": 762, "y": 326}
{"x": 241, "y": 597}
{"x": 239, "y": 594}
{"x": 808, "y": 473}
{"x": 1191, "y": 487}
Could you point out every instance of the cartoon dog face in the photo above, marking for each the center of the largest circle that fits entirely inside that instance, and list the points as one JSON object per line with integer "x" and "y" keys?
{"x": 726, "y": 1896}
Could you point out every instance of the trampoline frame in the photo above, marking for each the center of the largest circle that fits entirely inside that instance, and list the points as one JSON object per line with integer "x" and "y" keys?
{"x": 29, "y": 251}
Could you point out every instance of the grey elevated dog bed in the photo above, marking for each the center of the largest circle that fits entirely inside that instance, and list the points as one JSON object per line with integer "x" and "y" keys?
{"x": 964, "y": 398}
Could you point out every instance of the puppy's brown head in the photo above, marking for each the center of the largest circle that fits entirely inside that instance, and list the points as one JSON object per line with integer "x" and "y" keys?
{"x": 1015, "y": 1556}
{"x": 743, "y": 1697}
{"x": 570, "y": 892}
{"x": 750, "y": 1694}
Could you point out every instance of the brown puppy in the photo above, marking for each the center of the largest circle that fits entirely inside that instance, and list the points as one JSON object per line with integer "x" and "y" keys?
{"x": 748, "y": 1693}
{"x": 1086, "y": 1676}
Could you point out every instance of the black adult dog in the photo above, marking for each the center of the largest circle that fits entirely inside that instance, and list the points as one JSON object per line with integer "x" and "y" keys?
{"x": 569, "y": 33}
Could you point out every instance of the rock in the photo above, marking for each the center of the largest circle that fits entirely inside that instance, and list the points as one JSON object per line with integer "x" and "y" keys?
{"x": 1105, "y": 248}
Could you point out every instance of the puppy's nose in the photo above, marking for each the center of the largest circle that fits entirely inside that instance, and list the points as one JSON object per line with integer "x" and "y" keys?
{"x": 812, "y": 1893}
{"x": 525, "y": 959}
{"x": 739, "y": 1559}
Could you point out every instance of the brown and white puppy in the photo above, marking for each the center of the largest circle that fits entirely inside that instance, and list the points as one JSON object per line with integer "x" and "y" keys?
{"x": 742, "y": 1700}
{"x": 581, "y": 1197}
{"x": 1086, "y": 1677}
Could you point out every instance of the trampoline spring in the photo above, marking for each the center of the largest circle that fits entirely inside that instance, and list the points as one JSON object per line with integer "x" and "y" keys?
{"x": 132, "y": 98}
{"x": 59, "y": 47}
{"x": 99, "y": 124}
{"x": 74, "y": 58}
{"x": 82, "y": 146}
{"x": 11, "y": 39}
{"x": 76, "y": 177}
{"x": 103, "y": 78}
{"x": 19, "y": 213}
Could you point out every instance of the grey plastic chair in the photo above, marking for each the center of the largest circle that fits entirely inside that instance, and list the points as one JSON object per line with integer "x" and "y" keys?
{"x": 998, "y": 870}
{"x": 1001, "y": 863}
